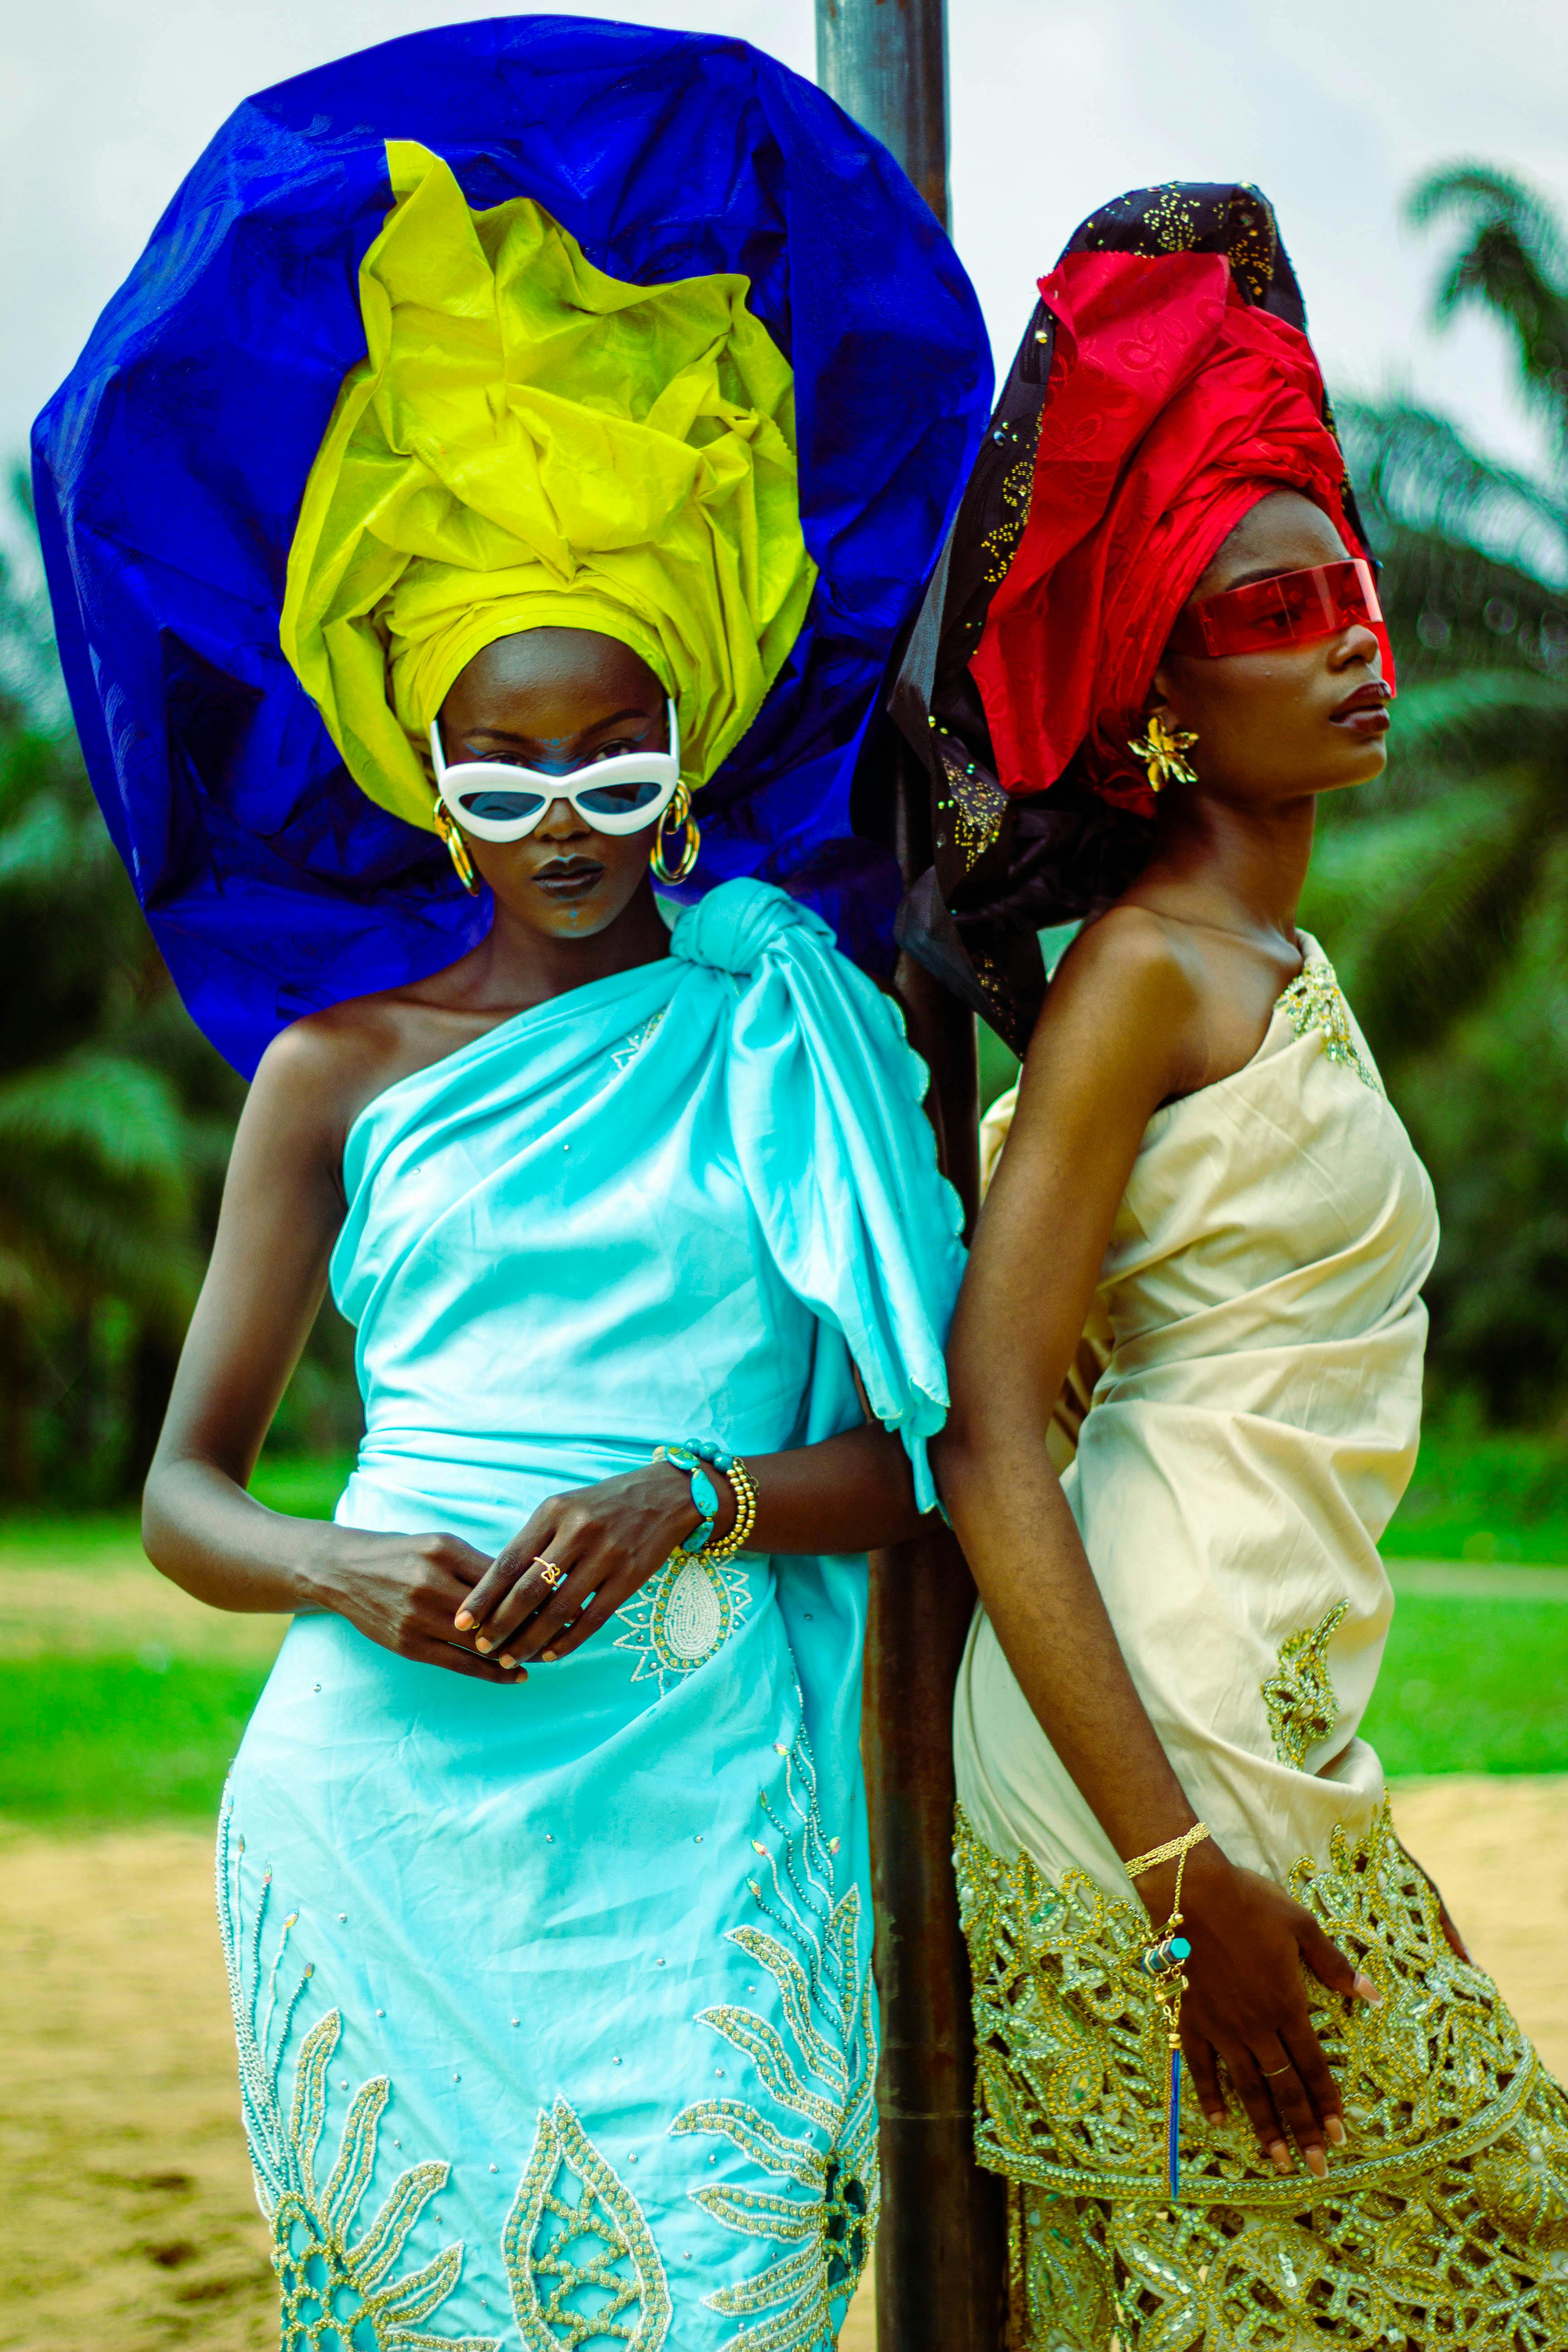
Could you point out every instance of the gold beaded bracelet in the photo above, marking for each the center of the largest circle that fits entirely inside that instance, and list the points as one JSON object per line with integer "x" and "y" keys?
{"x": 726, "y": 1547}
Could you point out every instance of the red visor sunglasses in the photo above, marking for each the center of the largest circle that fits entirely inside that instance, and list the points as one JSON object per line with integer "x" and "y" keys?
{"x": 1293, "y": 608}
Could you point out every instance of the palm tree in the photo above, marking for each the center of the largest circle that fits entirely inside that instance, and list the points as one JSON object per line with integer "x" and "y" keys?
{"x": 1444, "y": 894}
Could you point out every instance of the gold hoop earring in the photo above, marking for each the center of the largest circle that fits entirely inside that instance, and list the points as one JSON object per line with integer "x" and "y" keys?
{"x": 446, "y": 825}
{"x": 1160, "y": 751}
{"x": 678, "y": 822}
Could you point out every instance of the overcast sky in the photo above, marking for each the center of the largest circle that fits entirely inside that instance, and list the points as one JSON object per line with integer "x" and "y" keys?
{"x": 1057, "y": 105}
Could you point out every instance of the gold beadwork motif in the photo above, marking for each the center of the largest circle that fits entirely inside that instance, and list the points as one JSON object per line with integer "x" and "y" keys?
{"x": 1172, "y": 224}
{"x": 581, "y": 2259}
{"x": 997, "y": 548}
{"x": 825, "y": 2074}
{"x": 973, "y": 804}
{"x": 1315, "y": 1000}
{"x": 1445, "y": 2222}
{"x": 1299, "y": 1696}
{"x": 631, "y": 1045}
{"x": 333, "y": 2294}
{"x": 682, "y": 1617}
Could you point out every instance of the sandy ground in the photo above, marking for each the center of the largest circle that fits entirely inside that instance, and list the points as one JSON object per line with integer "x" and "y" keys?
{"x": 129, "y": 2224}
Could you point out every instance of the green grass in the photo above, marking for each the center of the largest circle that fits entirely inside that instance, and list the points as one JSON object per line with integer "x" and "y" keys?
{"x": 1468, "y": 1686}
{"x": 132, "y": 1726}
{"x": 1473, "y": 1687}
{"x": 143, "y": 1728}
{"x": 305, "y": 1485}
{"x": 110, "y": 1741}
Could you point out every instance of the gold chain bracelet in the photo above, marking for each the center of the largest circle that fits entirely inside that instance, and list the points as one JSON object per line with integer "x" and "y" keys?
{"x": 1173, "y": 1849}
{"x": 1161, "y": 1960}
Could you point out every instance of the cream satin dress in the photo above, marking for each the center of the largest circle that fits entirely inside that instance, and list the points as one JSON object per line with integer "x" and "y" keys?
{"x": 1239, "y": 1423}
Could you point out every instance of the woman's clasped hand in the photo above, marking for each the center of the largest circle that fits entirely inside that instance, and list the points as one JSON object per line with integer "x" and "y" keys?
{"x": 438, "y": 1600}
{"x": 603, "y": 1542}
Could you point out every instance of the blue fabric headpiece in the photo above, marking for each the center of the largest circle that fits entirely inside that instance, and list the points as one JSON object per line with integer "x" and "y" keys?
{"x": 170, "y": 466}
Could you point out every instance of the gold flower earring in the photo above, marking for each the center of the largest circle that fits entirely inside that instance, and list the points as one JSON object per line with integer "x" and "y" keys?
{"x": 676, "y": 823}
{"x": 1160, "y": 750}
{"x": 451, "y": 833}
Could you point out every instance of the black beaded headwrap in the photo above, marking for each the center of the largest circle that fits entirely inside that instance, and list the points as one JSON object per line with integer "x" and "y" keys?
{"x": 1004, "y": 867}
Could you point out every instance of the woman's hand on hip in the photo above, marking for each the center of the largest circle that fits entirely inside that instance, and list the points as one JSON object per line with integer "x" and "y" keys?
{"x": 403, "y": 1591}
{"x": 1245, "y": 2006}
{"x": 581, "y": 1556}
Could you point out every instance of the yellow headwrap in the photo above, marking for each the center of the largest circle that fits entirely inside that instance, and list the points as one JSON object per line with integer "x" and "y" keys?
{"x": 531, "y": 443}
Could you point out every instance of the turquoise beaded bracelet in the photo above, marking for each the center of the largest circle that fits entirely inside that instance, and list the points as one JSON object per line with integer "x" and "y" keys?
{"x": 692, "y": 1454}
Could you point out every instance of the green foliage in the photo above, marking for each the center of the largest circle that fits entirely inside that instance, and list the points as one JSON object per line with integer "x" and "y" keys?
{"x": 115, "y": 1119}
{"x": 1481, "y": 1495}
{"x": 1442, "y": 894}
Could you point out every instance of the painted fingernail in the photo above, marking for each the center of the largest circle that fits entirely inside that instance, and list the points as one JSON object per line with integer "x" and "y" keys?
{"x": 507, "y": 1662}
{"x": 482, "y": 1646}
{"x": 1364, "y": 1990}
{"x": 1335, "y": 2130}
{"x": 1317, "y": 2162}
{"x": 549, "y": 1656}
{"x": 462, "y": 1620}
{"x": 1279, "y": 2156}
{"x": 1214, "y": 2114}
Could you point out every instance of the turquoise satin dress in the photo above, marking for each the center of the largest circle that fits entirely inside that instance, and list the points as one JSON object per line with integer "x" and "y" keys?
{"x": 554, "y": 2003}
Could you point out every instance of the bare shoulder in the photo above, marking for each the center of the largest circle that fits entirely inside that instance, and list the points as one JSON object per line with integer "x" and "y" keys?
{"x": 1114, "y": 1040}
{"x": 1131, "y": 960}
{"x": 1126, "y": 995}
{"x": 318, "y": 1074}
{"x": 326, "y": 1056}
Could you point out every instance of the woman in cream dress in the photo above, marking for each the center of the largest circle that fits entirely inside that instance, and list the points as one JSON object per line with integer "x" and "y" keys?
{"x": 1186, "y": 1377}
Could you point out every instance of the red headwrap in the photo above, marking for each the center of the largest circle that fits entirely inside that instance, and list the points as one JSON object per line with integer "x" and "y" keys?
{"x": 1173, "y": 405}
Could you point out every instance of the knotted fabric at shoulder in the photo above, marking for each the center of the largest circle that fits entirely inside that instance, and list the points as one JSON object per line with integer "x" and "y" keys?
{"x": 734, "y": 926}
{"x": 835, "y": 1149}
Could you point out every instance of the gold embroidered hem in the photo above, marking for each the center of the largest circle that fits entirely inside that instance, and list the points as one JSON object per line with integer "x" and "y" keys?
{"x": 1444, "y": 2225}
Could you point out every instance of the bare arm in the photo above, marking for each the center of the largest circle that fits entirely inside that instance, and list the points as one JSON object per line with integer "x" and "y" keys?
{"x": 282, "y": 1208}
{"x": 1123, "y": 1029}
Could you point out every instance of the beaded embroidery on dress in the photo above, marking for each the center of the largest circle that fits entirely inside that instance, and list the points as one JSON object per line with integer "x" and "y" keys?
{"x": 1299, "y": 1695}
{"x": 343, "y": 2279}
{"x": 682, "y": 1617}
{"x": 1445, "y": 2222}
{"x": 581, "y": 2259}
{"x": 821, "y": 2074}
{"x": 1315, "y": 1000}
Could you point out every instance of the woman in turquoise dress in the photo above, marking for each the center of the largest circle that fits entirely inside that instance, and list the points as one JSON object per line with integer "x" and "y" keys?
{"x": 542, "y": 1867}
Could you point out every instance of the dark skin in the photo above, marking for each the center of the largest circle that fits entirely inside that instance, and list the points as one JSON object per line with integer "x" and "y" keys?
{"x": 570, "y": 906}
{"x": 1169, "y": 991}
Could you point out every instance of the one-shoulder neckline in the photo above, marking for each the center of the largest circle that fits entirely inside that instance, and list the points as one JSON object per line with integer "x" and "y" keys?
{"x": 1312, "y": 953}
{"x": 568, "y": 1002}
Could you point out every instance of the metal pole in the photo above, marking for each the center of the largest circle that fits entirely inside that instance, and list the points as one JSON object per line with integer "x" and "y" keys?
{"x": 940, "y": 2268}
{"x": 886, "y": 63}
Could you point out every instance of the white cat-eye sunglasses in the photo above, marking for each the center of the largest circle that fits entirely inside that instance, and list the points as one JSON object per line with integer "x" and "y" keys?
{"x": 501, "y": 803}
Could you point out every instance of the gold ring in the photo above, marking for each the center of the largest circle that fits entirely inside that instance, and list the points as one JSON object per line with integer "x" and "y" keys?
{"x": 1268, "y": 2072}
{"x": 552, "y": 1574}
